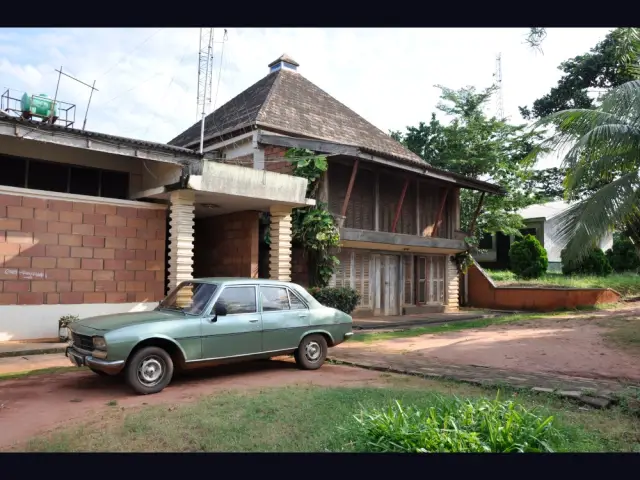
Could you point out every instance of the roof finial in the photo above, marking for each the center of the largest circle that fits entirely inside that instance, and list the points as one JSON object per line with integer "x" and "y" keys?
{"x": 284, "y": 61}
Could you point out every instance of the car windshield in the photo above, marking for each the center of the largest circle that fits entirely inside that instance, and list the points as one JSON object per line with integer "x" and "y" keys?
{"x": 190, "y": 298}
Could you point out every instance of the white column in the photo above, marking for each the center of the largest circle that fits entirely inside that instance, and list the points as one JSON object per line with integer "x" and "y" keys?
{"x": 280, "y": 251}
{"x": 452, "y": 279}
{"x": 181, "y": 213}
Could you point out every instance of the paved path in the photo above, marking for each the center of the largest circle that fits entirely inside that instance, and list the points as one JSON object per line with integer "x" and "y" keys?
{"x": 19, "y": 349}
{"x": 28, "y": 363}
{"x": 595, "y": 392}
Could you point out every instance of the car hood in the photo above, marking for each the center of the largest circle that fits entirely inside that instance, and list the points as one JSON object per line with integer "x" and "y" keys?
{"x": 119, "y": 320}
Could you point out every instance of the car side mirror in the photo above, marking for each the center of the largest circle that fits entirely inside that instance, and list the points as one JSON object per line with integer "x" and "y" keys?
{"x": 220, "y": 310}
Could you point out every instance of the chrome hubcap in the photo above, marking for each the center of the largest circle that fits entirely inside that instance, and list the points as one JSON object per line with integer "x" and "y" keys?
{"x": 312, "y": 351}
{"x": 150, "y": 371}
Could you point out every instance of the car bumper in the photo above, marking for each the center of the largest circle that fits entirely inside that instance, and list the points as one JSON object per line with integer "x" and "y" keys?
{"x": 82, "y": 359}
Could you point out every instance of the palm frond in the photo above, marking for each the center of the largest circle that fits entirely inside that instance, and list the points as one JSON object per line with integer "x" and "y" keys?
{"x": 624, "y": 101}
{"x": 587, "y": 221}
{"x": 618, "y": 141}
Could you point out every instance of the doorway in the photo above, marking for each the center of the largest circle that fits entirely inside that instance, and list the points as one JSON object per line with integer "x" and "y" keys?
{"x": 386, "y": 268}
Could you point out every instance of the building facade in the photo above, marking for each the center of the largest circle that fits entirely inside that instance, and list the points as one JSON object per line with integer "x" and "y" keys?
{"x": 399, "y": 217}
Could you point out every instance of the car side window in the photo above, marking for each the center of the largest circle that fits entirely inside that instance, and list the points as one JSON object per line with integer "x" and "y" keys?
{"x": 295, "y": 301}
{"x": 238, "y": 300}
{"x": 274, "y": 299}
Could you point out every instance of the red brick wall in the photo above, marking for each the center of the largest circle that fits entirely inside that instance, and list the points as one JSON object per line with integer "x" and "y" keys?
{"x": 273, "y": 162}
{"x": 483, "y": 294}
{"x": 66, "y": 252}
{"x": 227, "y": 246}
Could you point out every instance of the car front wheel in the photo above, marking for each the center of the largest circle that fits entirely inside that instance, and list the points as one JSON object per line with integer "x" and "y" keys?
{"x": 149, "y": 370}
{"x": 311, "y": 352}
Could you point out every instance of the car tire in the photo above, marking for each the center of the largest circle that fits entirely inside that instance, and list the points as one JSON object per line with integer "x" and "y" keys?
{"x": 149, "y": 370}
{"x": 99, "y": 372}
{"x": 311, "y": 352}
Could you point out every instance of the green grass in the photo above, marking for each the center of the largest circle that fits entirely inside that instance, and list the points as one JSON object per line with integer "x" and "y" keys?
{"x": 312, "y": 419}
{"x": 452, "y": 425}
{"x": 626, "y": 284}
{"x": 30, "y": 373}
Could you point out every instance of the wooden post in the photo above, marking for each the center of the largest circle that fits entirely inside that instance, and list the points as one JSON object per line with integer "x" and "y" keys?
{"x": 472, "y": 225}
{"x": 399, "y": 209}
{"x": 438, "y": 221}
{"x": 354, "y": 171}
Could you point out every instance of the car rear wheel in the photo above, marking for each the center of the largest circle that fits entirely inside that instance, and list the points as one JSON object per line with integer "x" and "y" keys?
{"x": 149, "y": 370}
{"x": 311, "y": 352}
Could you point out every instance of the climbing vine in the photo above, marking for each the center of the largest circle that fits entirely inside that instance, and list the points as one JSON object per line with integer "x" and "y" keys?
{"x": 314, "y": 227}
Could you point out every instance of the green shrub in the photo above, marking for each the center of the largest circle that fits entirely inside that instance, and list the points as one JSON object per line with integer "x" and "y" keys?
{"x": 623, "y": 256}
{"x": 594, "y": 263}
{"x": 528, "y": 258}
{"x": 344, "y": 299}
{"x": 452, "y": 425}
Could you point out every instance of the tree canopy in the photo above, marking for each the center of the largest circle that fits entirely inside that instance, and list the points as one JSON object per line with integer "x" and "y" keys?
{"x": 603, "y": 155}
{"x": 482, "y": 147}
{"x": 607, "y": 65}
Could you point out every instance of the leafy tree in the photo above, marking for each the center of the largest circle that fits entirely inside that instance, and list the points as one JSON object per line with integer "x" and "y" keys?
{"x": 528, "y": 258}
{"x": 604, "y": 147}
{"x": 593, "y": 263}
{"x": 623, "y": 256}
{"x": 547, "y": 185}
{"x": 481, "y": 147}
{"x": 607, "y": 65}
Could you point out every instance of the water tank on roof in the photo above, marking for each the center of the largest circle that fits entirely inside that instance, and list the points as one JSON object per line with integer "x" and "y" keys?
{"x": 39, "y": 105}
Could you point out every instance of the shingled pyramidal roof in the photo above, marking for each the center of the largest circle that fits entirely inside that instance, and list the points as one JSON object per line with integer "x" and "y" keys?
{"x": 285, "y": 101}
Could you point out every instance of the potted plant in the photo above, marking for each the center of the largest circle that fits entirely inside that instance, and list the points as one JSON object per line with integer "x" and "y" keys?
{"x": 63, "y": 323}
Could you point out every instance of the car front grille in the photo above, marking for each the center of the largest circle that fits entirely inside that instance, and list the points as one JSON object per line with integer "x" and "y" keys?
{"x": 84, "y": 342}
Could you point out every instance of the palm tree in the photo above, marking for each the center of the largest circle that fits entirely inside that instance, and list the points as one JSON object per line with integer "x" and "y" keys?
{"x": 603, "y": 148}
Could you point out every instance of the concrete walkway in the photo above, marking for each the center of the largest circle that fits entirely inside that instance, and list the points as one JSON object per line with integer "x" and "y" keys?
{"x": 28, "y": 363}
{"x": 405, "y": 321}
{"x": 20, "y": 349}
{"x": 595, "y": 392}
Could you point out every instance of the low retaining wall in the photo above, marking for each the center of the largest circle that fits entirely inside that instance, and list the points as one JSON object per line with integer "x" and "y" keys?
{"x": 484, "y": 293}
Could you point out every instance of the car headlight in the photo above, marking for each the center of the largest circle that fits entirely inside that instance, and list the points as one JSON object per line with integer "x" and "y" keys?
{"x": 99, "y": 343}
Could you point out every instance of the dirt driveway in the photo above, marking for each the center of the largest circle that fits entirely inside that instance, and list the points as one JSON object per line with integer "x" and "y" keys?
{"x": 575, "y": 346}
{"x": 38, "y": 404}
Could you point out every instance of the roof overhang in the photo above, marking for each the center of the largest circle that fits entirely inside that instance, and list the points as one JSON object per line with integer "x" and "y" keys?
{"x": 332, "y": 148}
{"x": 99, "y": 142}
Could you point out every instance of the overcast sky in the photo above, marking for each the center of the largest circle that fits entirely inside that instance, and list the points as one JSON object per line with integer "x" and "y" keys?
{"x": 147, "y": 78}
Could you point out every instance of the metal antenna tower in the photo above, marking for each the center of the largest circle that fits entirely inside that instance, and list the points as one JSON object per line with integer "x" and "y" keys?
{"x": 205, "y": 69}
{"x": 499, "y": 97}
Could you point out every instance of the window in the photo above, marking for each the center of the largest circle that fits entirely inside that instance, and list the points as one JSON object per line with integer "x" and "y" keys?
{"x": 14, "y": 170}
{"x": 274, "y": 299}
{"x": 528, "y": 231}
{"x": 84, "y": 181}
{"x": 353, "y": 271}
{"x": 295, "y": 302}
{"x": 431, "y": 273}
{"x": 190, "y": 298}
{"x": 487, "y": 242}
{"x": 238, "y": 300}
{"x": 114, "y": 184}
{"x": 53, "y": 177}
{"x": 63, "y": 178}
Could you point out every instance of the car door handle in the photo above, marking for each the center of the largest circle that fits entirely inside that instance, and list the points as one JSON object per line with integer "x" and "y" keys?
{"x": 255, "y": 320}
{"x": 303, "y": 315}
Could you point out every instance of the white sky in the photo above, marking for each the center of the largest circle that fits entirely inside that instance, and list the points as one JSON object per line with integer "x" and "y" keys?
{"x": 147, "y": 78}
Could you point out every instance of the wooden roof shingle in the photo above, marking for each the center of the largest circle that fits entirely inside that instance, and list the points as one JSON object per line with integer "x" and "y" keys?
{"x": 286, "y": 101}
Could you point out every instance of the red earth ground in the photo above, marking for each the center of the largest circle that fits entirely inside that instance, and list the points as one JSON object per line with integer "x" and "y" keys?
{"x": 37, "y": 404}
{"x": 575, "y": 345}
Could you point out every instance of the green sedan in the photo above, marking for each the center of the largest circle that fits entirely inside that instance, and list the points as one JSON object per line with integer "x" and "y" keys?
{"x": 208, "y": 322}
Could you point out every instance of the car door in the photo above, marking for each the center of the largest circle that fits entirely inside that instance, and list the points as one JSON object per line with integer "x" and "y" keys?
{"x": 237, "y": 333}
{"x": 285, "y": 317}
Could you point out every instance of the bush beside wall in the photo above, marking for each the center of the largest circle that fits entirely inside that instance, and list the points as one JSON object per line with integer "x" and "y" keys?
{"x": 528, "y": 258}
{"x": 344, "y": 299}
{"x": 595, "y": 263}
